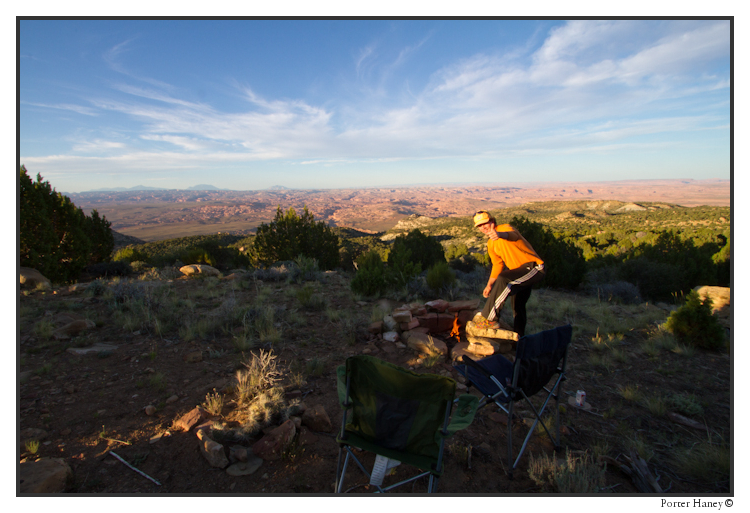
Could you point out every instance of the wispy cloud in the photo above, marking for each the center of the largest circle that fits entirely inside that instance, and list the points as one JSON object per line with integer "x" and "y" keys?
{"x": 80, "y": 109}
{"x": 590, "y": 86}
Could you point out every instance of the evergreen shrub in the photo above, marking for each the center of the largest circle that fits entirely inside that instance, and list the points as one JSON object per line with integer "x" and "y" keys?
{"x": 564, "y": 264}
{"x": 421, "y": 248}
{"x": 290, "y": 235}
{"x": 440, "y": 276}
{"x": 370, "y": 279}
{"x": 694, "y": 324}
{"x": 56, "y": 237}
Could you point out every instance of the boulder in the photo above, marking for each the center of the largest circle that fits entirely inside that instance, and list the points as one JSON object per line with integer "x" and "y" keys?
{"x": 212, "y": 451}
{"x": 504, "y": 332}
{"x": 389, "y": 323}
{"x": 191, "y": 419}
{"x": 391, "y": 336}
{"x": 317, "y": 419}
{"x": 406, "y": 326}
{"x": 376, "y": 328}
{"x": 195, "y": 269}
{"x": 96, "y": 348}
{"x": 436, "y": 322}
{"x": 273, "y": 444}
{"x": 498, "y": 345}
{"x": 46, "y": 475}
{"x": 30, "y": 278}
{"x": 72, "y": 328}
{"x": 439, "y": 305}
{"x": 424, "y": 343}
{"x": 401, "y": 316}
{"x": 720, "y": 298}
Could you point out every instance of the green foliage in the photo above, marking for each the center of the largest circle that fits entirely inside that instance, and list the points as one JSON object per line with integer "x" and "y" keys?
{"x": 370, "y": 279}
{"x": 56, "y": 237}
{"x": 401, "y": 267}
{"x": 694, "y": 324}
{"x": 564, "y": 264}
{"x": 440, "y": 276}
{"x": 421, "y": 249}
{"x": 290, "y": 235}
{"x": 130, "y": 254}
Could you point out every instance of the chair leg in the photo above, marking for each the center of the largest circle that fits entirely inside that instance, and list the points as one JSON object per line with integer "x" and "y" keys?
{"x": 340, "y": 477}
{"x": 510, "y": 440}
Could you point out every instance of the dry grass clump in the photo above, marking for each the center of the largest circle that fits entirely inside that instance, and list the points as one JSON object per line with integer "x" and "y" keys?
{"x": 705, "y": 461}
{"x": 576, "y": 474}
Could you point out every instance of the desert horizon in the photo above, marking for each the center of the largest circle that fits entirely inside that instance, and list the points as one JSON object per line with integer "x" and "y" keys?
{"x": 159, "y": 214}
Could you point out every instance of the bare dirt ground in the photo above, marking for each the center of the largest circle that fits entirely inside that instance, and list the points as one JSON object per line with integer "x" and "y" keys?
{"x": 90, "y": 405}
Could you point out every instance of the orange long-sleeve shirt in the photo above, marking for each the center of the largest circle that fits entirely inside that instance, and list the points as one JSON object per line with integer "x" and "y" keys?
{"x": 511, "y": 253}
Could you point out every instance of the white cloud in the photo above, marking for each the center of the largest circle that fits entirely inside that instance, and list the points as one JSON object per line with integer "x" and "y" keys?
{"x": 589, "y": 85}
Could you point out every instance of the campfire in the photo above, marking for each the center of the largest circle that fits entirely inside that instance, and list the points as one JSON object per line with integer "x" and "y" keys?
{"x": 454, "y": 331}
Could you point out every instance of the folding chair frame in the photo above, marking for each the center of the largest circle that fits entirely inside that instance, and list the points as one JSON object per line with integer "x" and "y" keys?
{"x": 434, "y": 475}
{"x": 509, "y": 394}
{"x": 429, "y": 464}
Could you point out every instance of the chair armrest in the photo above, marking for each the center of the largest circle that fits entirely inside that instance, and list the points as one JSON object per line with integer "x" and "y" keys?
{"x": 463, "y": 413}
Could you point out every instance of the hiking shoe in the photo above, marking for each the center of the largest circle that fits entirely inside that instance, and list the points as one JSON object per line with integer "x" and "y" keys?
{"x": 482, "y": 323}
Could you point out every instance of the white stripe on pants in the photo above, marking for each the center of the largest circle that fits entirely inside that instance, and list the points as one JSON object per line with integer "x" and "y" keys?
{"x": 506, "y": 292}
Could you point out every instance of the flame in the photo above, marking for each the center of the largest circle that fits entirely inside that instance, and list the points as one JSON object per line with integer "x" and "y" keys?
{"x": 454, "y": 331}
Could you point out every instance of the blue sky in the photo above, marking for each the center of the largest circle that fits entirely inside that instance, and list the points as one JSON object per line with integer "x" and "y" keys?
{"x": 323, "y": 104}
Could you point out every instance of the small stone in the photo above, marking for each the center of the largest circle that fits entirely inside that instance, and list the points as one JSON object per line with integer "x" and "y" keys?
{"x": 244, "y": 468}
{"x": 317, "y": 419}
{"x": 191, "y": 419}
{"x": 193, "y": 357}
{"x": 172, "y": 399}
{"x": 391, "y": 336}
{"x": 150, "y": 409}
{"x": 214, "y": 453}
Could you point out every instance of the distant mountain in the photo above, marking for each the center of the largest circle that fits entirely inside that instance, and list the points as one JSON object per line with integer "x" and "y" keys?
{"x": 122, "y": 189}
{"x": 203, "y": 187}
{"x": 278, "y": 188}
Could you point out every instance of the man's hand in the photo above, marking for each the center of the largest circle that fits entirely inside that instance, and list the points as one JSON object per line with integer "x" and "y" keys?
{"x": 487, "y": 290}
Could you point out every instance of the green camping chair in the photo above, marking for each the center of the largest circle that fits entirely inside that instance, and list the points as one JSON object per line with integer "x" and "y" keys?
{"x": 401, "y": 416}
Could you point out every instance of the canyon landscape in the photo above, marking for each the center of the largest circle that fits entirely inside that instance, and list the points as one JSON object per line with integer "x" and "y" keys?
{"x": 152, "y": 215}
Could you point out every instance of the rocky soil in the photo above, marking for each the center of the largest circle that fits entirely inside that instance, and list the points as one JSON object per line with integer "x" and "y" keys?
{"x": 95, "y": 382}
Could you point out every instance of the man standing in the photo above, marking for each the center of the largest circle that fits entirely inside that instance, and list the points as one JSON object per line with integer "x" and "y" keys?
{"x": 515, "y": 268}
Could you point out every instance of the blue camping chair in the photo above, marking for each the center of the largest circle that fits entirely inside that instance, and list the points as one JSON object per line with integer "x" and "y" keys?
{"x": 538, "y": 359}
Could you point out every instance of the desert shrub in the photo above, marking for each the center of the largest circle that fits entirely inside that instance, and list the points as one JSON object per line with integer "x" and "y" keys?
{"x": 309, "y": 299}
{"x": 564, "y": 263}
{"x": 129, "y": 254}
{"x": 370, "y": 278}
{"x": 416, "y": 247}
{"x": 456, "y": 251}
{"x": 617, "y": 292}
{"x": 467, "y": 263}
{"x": 290, "y": 235}
{"x": 578, "y": 474}
{"x": 655, "y": 280}
{"x": 694, "y": 324}
{"x": 107, "y": 269}
{"x": 440, "y": 276}
{"x": 56, "y": 237}
{"x": 401, "y": 268}
{"x": 96, "y": 288}
{"x": 278, "y": 272}
{"x": 304, "y": 269}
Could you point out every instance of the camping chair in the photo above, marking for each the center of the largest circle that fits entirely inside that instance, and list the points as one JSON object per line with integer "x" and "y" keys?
{"x": 401, "y": 416}
{"x": 538, "y": 358}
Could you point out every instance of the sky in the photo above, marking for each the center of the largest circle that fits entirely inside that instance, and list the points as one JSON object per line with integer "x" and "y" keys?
{"x": 250, "y": 104}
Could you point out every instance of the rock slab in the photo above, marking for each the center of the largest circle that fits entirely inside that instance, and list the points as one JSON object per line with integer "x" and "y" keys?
{"x": 46, "y": 475}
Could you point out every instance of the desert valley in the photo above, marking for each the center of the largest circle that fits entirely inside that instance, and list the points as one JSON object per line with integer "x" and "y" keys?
{"x": 161, "y": 214}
